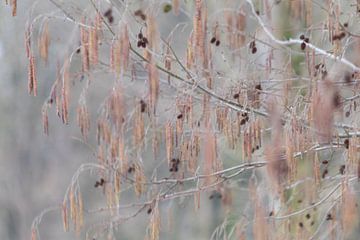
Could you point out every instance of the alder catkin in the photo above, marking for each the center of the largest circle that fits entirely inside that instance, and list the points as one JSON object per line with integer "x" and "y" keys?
{"x": 32, "y": 81}
{"x": 65, "y": 93}
{"x": 14, "y": 7}
{"x": 44, "y": 42}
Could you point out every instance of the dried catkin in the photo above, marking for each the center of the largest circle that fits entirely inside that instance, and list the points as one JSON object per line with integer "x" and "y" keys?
{"x": 169, "y": 141}
{"x": 210, "y": 156}
{"x": 32, "y": 80}
{"x": 34, "y": 234}
{"x": 45, "y": 119}
{"x": 139, "y": 180}
{"x": 198, "y": 26}
{"x": 83, "y": 119}
{"x": 190, "y": 53}
{"x": 65, "y": 93}
{"x": 14, "y": 7}
{"x": 65, "y": 217}
{"x": 125, "y": 48}
{"x": 154, "y": 87}
{"x": 84, "y": 40}
{"x": 28, "y": 41}
{"x": 139, "y": 124}
{"x": 155, "y": 223}
{"x": 93, "y": 46}
{"x": 44, "y": 42}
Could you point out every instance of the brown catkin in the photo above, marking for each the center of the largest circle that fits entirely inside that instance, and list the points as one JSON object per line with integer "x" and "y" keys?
{"x": 176, "y": 6}
{"x": 155, "y": 223}
{"x": 65, "y": 93}
{"x": 93, "y": 46}
{"x": 45, "y": 119}
{"x": 44, "y": 42}
{"x": 125, "y": 49}
{"x": 72, "y": 203}
{"x": 122, "y": 155}
{"x": 32, "y": 81}
{"x": 64, "y": 213}
{"x": 138, "y": 126}
{"x": 83, "y": 120}
{"x": 118, "y": 107}
{"x": 153, "y": 86}
{"x": 198, "y": 27}
{"x": 139, "y": 180}
{"x": 190, "y": 53}
{"x": 117, "y": 182}
{"x": 30, "y": 76}
{"x": 152, "y": 36}
{"x": 33, "y": 234}
{"x": 116, "y": 52}
{"x": 169, "y": 141}
{"x": 28, "y": 41}
{"x": 240, "y": 26}
{"x": 168, "y": 61}
{"x": 57, "y": 87}
{"x": 210, "y": 155}
{"x": 194, "y": 152}
{"x": 80, "y": 209}
{"x": 84, "y": 40}
{"x": 14, "y": 7}
{"x": 112, "y": 56}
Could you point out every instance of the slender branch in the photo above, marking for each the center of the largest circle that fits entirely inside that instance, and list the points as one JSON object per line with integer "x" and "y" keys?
{"x": 312, "y": 205}
{"x": 297, "y": 41}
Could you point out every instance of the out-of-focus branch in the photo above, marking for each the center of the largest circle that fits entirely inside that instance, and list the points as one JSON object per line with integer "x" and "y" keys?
{"x": 303, "y": 210}
{"x": 297, "y": 41}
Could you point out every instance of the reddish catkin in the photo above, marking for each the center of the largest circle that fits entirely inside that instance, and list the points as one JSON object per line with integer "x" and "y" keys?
{"x": 81, "y": 209}
{"x": 138, "y": 126}
{"x": 168, "y": 61}
{"x": 65, "y": 93}
{"x": 33, "y": 233}
{"x": 117, "y": 107}
{"x": 45, "y": 119}
{"x": 153, "y": 86}
{"x": 240, "y": 26}
{"x": 112, "y": 56}
{"x": 122, "y": 155}
{"x": 155, "y": 223}
{"x": 44, "y": 42}
{"x": 65, "y": 217}
{"x": 210, "y": 155}
{"x": 32, "y": 81}
{"x": 72, "y": 203}
{"x": 114, "y": 150}
{"x": 349, "y": 209}
{"x": 260, "y": 225}
{"x": 14, "y": 7}
{"x": 176, "y": 5}
{"x": 190, "y": 53}
{"x": 169, "y": 141}
{"x": 57, "y": 87}
{"x": 152, "y": 34}
{"x": 116, "y": 55}
{"x": 198, "y": 27}
{"x": 93, "y": 46}
{"x": 28, "y": 41}
{"x": 125, "y": 48}
{"x": 139, "y": 180}
{"x": 83, "y": 120}
{"x": 84, "y": 40}
{"x": 195, "y": 151}
{"x": 33, "y": 73}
